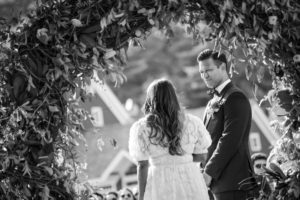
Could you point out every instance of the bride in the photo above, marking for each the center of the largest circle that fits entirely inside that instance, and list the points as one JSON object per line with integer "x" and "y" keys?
{"x": 167, "y": 143}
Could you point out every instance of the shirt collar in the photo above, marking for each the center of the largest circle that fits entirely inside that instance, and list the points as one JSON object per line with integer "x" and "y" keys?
{"x": 222, "y": 86}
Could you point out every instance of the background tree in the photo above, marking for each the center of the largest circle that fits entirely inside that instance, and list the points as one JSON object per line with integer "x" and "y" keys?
{"x": 175, "y": 58}
{"x": 48, "y": 58}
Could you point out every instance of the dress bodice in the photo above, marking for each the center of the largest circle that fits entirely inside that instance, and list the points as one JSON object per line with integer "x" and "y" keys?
{"x": 194, "y": 140}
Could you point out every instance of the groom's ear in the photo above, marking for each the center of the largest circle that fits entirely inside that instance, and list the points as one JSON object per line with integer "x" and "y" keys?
{"x": 223, "y": 66}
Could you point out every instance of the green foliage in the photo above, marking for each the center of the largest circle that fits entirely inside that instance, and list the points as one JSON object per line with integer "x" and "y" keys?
{"x": 48, "y": 59}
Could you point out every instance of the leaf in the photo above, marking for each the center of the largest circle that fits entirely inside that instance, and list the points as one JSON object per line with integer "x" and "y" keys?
{"x": 53, "y": 109}
{"x": 142, "y": 11}
{"x": 255, "y": 91}
{"x": 152, "y": 10}
{"x": 67, "y": 185}
{"x": 76, "y": 23}
{"x": 296, "y": 190}
{"x": 95, "y": 61}
{"x": 58, "y": 61}
{"x": 26, "y": 169}
{"x": 222, "y": 16}
{"x": 103, "y": 23}
{"x": 46, "y": 192}
{"x": 18, "y": 85}
{"x": 49, "y": 170}
{"x": 109, "y": 54}
{"x": 228, "y": 4}
{"x": 100, "y": 144}
{"x": 244, "y": 7}
{"x": 277, "y": 170}
{"x": 123, "y": 22}
{"x": 271, "y": 173}
{"x": 138, "y": 33}
{"x": 41, "y": 164}
{"x": 281, "y": 102}
{"x": 42, "y": 35}
{"x": 30, "y": 83}
{"x": 47, "y": 138}
{"x": 265, "y": 103}
{"x": 45, "y": 69}
{"x": 92, "y": 29}
{"x": 119, "y": 15}
{"x": 26, "y": 191}
{"x": 248, "y": 71}
{"x": 279, "y": 111}
{"x": 284, "y": 96}
{"x": 17, "y": 117}
{"x": 151, "y": 21}
{"x": 87, "y": 40}
{"x": 110, "y": 17}
{"x": 260, "y": 74}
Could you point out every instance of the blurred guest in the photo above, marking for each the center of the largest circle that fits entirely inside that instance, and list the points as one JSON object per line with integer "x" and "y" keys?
{"x": 112, "y": 196}
{"x": 96, "y": 196}
{"x": 263, "y": 189}
{"x": 259, "y": 161}
{"x": 126, "y": 194}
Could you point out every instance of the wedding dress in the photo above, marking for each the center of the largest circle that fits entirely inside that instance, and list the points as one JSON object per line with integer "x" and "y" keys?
{"x": 172, "y": 177}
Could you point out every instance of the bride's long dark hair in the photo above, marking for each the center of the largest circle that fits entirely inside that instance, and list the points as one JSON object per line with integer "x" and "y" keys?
{"x": 162, "y": 112}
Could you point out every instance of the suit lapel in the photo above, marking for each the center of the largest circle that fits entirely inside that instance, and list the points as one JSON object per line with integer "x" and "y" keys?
{"x": 222, "y": 94}
{"x": 226, "y": 88}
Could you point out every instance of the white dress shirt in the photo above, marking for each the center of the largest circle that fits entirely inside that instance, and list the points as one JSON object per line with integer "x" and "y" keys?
{"x": 222, "y": 86}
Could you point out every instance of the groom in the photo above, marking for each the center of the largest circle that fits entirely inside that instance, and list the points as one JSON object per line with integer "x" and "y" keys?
{"x": 228, "y": 120}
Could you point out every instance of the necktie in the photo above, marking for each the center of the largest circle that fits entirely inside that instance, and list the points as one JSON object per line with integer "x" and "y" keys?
{"x": 213, "y": 92}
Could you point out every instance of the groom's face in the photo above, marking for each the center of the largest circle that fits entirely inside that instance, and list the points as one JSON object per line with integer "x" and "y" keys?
{"x": 211, "y": 73}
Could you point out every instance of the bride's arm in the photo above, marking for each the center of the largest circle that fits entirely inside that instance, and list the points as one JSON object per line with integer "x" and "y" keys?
{"x": 202, "y": 143}
{"x": 142, "y": 172}
{"x": 200, "y": 158}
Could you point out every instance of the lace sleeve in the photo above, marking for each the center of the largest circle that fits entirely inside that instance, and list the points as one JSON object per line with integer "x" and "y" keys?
{"x": 137, "y": 142}
{"x": 204, "y": 140}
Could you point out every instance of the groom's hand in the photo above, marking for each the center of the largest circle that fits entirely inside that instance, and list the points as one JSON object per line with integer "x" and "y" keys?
{"x": 207, "y": 179}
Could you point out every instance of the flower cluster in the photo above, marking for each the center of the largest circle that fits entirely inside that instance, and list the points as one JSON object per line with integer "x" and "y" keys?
{"x": 214, "y": 106}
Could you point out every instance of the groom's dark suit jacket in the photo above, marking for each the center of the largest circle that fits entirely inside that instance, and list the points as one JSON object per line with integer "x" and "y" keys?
{"x": 228, "y": 160}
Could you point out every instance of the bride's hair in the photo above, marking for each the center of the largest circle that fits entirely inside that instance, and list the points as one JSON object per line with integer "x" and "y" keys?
{"x": 162, "y": 112}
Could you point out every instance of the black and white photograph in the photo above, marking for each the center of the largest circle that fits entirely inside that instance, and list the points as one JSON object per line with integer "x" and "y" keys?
{"x": 149, "y": 100}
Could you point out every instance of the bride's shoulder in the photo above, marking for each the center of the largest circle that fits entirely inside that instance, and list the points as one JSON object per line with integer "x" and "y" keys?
{"x": 192, "y": 118}
{"x": 140, "y": 123}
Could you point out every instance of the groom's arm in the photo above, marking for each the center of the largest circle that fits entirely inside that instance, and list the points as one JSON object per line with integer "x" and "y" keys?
{"x": 237, "y": 113}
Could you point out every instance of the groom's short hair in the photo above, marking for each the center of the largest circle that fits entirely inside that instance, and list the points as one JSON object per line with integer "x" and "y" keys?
{"x": 219, "y": 58}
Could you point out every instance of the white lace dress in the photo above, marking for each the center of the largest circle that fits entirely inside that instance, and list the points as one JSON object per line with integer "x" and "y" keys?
{"x": 172, "y": 177}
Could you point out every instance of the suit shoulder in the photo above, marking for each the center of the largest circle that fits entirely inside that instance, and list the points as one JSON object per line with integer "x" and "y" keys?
{"x": 236, "y": 92}
{"x": 235, "y": 97}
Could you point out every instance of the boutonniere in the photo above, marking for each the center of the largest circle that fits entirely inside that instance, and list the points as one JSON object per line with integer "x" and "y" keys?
{"x": 215, "y": 106}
